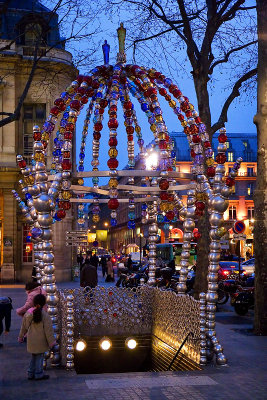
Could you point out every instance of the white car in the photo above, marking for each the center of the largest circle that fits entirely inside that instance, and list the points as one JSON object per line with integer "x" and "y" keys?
{"x": 249, "y": 266}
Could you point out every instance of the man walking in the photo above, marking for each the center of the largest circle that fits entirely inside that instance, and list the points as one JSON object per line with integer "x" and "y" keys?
{"x": 88, "y": 275}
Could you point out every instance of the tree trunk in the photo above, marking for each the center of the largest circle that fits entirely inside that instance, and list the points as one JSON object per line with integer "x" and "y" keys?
{"x": 203, "y": 225}
{"x": 260, "y": 194}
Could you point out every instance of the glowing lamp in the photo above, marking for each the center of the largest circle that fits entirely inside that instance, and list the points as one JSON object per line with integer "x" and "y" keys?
{"x": 131, "y": 343}
{"x": 105, "y": 344}
{"x": 80, "y": 345}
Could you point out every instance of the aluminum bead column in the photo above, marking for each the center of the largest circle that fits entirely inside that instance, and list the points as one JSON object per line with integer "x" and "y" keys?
{"x": 152, "y": 238}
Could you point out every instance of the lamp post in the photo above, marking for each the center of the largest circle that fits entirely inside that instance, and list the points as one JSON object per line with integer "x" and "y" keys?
{"x": 140, "y": 246}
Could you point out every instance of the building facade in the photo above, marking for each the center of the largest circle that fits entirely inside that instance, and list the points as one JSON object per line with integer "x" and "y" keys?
{"x": 28, "y": 30}
{"x": 241, "y": 205}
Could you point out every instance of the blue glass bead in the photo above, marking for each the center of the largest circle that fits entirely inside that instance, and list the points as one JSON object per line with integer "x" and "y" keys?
{"x": 113, "y": 222}
{"x": 64, "y": 95}
{"x": 81, "y": 155}
{"x": 157, "y": 111}
{"x": 201, "y": 128}
{"x": 131, "y": 163}
{"x": 167, "y": 82}
{"x": 131, "y": 224}
{"x": 54, "y": 153}
{"x": 160, "y": 218}
{"x": 140, "y": 142}
{"x": 208, "y": 153}
{"x": 58, "y": 153}
{"x": 48, "y": 126}
{"x": 28, "y": 196}
{"x": 177, "y": 110}
{"x": 56, "y": 141}
{"x": 54, "y": 221}
{"x": 144, "y": 107}
{"x": 174, "y": 219}
{"x": 33, "y": 162}
{"x": 131, "y": 215}
{"x": 36, "y": 232}
{"x": 28, "y": 239}
{"x": 95, "y": 180}
{"x": 152, "y": 119}
{"x": 198, "y": 159}
{"x": 99, "y": 95}
{"x": 166, "y": 227}
{"x": 173, "y": 153}
{"x": 95, "y": 120}
{"x": 57, "y": 218}
{"x": 144, "y": 206}
{"x": 96, "y": 112}
{"x": 81, "y": 168}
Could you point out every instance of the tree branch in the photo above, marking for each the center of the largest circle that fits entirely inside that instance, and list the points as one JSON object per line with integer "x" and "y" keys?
{"x": 226, "y": 56}
{"x": 234, "y": 93}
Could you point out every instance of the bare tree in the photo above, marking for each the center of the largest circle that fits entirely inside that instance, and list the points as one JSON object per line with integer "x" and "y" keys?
{"x": 217, "y": 36}
{"x": 76, "y": 24}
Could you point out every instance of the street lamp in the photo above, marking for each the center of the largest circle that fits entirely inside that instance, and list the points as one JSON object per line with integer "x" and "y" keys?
{"x": 105, "y": 224}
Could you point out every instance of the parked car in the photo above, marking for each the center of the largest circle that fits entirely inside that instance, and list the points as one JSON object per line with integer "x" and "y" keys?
{"x": 249, "y": 266}
{"x": 228, "y": 269}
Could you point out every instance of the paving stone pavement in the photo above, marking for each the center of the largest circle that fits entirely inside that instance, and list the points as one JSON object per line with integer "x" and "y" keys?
{"x": 244, "y": 378}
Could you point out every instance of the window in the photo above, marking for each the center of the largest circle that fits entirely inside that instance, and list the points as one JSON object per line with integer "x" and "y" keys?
{"x": 249, "y": 155}
{"x": 250, "y": 171}
{"x": 33, "y": 34}
{"x": 232, "y": 212}
{"x": 177, "y": 168}
{"x": 27, "y": 256}
{"x": 245, "y": 143}
{"x": 227, "y": 144}
{"x": 250, "y": 189}
{"x": 230, "y": 156}
{"x": 33, "y": 114}
{"x": 250, "y": 212}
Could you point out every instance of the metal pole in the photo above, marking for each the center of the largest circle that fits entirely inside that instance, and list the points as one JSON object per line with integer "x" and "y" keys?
{"x": 239, "y": 253}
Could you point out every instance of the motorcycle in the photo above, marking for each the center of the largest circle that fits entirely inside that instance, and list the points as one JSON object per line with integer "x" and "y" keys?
{"x": 243, "y": 301}
{"x": 230, "y": 287}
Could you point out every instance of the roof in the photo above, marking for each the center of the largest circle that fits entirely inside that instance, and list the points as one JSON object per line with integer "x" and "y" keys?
{"x": 25, "y": 5}
{"x": 240, "y": 144}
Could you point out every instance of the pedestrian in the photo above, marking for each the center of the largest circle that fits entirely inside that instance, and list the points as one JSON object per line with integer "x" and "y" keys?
{"x": 80, "y": 260}
{"x": 129, "y": 264}
{"x": 94, "y": 260}
{"x": 37, "y": 325}
{"x": 103, "y": 263}
{"x": 34, "y": 279}
{"x": 88, "y": 275}
{"x": 110, "y": 272}
{"x": 5, "y": 313}
{"x": 32, "y": 289}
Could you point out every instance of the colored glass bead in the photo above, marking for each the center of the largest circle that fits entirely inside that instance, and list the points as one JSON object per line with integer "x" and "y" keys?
{"x": 221, "y": 158}
{"x": 113, "y": 163}
{"x": 113, "y": 204}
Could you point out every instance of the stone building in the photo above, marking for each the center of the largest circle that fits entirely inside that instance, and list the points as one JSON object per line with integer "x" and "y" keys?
{"x": 28, "y": 29}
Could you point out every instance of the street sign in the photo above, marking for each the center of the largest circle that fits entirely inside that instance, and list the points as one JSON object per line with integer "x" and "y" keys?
{"x": 239, "y": 227}
{"x": 224, "y": 244}
{"x": 239, "y": 236}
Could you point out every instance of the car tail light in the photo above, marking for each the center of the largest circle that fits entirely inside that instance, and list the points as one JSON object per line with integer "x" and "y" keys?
{"x": 113, "y": 260}
{"x": 232, "y": 266}
{"x": 226, "y": 272}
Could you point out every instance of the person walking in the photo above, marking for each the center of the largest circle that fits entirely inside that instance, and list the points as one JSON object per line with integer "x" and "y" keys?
{"x": 32, "y": 289}
{"x": 110, "y": 271}
{"x": 103, "y": 263}
{"x": 37, "y": 325}
{"x": 5, "y": 314}
{"x": 88, "y": 275}
{"x": 94, "y": 260}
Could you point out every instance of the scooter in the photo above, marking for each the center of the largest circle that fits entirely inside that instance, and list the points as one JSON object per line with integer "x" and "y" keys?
{"x": 243, "y": 301}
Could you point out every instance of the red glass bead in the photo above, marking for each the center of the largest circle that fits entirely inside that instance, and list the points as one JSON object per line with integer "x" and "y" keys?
{"x": 66, "y": 205}
{"x": 200, "y": 205}
{"x": 113, "y": 142}
{"x": 103, "y": 103}
{"x": 113, "y": 108}
{"x": 90, "y": 92}
{"x": 80, "y": 78}
{"x": 61, "y": 213}
{"x": 197, "y": 235}
{"x": 170, "y": 197}
{"x": 181, "y": 118}
{"x": 188, "y": 114}
{"x": 196, "y": 139}
{"x": 81, "y": 90}
{"x": 44, "y": 144}
{"x": 168, "y": 97}
{"x": 59, "y": 102}
{"x": 229, "y": 181}
{"x": 113, "y": 123}
{"x": 113, "y": 163}
{"x": 169, "y": 169}
{"x": 101, "y": 111}
{"x": 172, "y": 87}
{"x": 55, "y": 110}
{"x": 211, "y": 172}
{"x": 162, "y": 77}
{"x": 128, "y": 113}
{"x": 97, "y": 135}
{"x": 184, "y": 106}
{"x": 186, "y": 99}
{"x": 154, "y": 97}
{"x": 177, "y": 93}
{"x": 221, "y": 158}
{"x": 157, "y": 74}
{"x": 123, "y": 79}
{"x": 222, "y": 137}
{"x": 113, "y": 204}
{"x": 162, "y": 91}
{"x": 170, "y": 215}
{"x": 98, "y": 126}
{"x": 84, "y": 100}
{"x": 162, "y": 145}
{"x": 163, "y": 196}
{"x": 130, "y": 129}
{"x": 187, "y": 130}
{"x": 70, "y": 127}
{"x": 66, "y": 164}
{"x": 192, "y": 153}
{"x": 88, "y": 80}
{"x": 198, "y": 120}
{"x": 164, "y": 184}
{"x": 128, "y": 105}
{"x": 37, "y": 136}
{"x": 130, "y": 138}
{"x": 194, "y": 129}
{"x": 22, "y": 164}
{"x": 68, "y": 135}
{"x": 75, "y": 104}
{"x": 199, "y": 213}
{"x": 66, "y": 154}
{"x": 95, "y": 84}
{"x": 112, "y": 114}
{"x": 207, "y": 145}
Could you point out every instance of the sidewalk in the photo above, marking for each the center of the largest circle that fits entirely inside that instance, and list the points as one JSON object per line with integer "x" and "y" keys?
{"x": 244, "y": 378}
